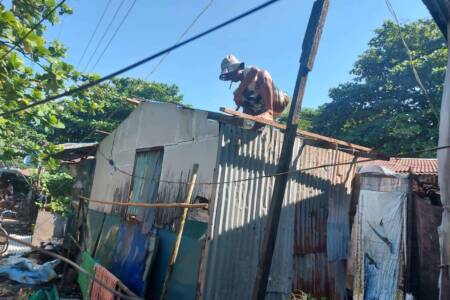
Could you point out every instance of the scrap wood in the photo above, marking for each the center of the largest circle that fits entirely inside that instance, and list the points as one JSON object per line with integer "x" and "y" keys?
{"x": 97, "y": 291}
{"x": 300, "y": 132}
{"x": 148, "y": 205}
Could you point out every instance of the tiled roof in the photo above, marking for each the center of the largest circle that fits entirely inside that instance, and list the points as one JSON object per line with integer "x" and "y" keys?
{"x": 422, "y": 166}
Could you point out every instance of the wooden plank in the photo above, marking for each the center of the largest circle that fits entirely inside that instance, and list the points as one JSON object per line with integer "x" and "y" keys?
{"x": 300, "y": 132}
{"x": 149, "y": 205}
{"x": 134, "y": 101}
{"x": 309, "y": 50}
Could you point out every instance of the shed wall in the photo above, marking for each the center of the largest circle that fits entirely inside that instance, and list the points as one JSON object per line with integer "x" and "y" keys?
{"x": 239, "y": 215}
{"x": 187, "y": 137}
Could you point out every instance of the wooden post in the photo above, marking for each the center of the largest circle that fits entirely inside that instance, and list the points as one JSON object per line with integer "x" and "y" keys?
{"x": 176, "y": 246}
{"x": 309, "y": 50}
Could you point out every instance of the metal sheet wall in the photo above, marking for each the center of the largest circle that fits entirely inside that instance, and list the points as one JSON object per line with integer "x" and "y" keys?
{"x": 239, "y": 214}
{"x": 147, "y": 171}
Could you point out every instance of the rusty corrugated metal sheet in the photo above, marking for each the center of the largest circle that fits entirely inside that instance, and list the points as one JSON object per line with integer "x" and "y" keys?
{"x": 307, "y": 277}
{"x": 419, "y": 166}
{"x": 238, "y": 217}
{"x": 239, "y": 212}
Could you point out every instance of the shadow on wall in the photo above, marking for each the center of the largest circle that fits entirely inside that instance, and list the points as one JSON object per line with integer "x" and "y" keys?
{"x": 307, "y": 238}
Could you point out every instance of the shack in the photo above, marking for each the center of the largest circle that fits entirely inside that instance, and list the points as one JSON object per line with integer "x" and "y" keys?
{"x": 149, "y": 158}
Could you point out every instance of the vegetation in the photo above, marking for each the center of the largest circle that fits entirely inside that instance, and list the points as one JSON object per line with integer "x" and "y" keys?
{"x": 59, "y": 187}
{"x": 35, "y": 69}
{"x": 382, "y": 106}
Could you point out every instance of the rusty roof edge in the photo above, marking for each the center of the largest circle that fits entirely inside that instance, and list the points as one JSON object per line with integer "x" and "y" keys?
{"x": 236, "y": 118}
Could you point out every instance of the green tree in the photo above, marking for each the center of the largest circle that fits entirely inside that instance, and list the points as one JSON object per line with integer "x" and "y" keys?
{"x": 382, "y": 106}
{"x": 307, "y": 116}
{"x": 104, "y": 106}
{"x": 31, "y": 69}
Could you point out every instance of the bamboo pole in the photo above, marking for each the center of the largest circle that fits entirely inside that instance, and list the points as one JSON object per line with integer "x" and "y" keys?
{"x": 176, "y": 246}
{"x": 150, "y": 205}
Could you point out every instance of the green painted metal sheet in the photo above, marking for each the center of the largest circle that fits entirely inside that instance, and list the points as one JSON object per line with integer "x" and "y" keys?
{"x": 95, "y": 221}
{"x": 183, "y": 284}
{"x": 107, "y": 241}
{"x": 87, "y": 263}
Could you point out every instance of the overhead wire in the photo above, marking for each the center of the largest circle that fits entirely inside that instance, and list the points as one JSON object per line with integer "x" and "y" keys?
{"x": 105, "y": 32}
{"x": 33, "y": 28}
{"x": 114, "y": 35}
{"x": 186, "y": 31}
{"x": 411, "y": 60}
{"x": 142, "y": 61}
{"x": 399, "y": 155}
{"x": 97, "y": 26}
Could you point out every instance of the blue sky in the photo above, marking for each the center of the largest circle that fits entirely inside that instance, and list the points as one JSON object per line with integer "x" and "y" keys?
{"x": 270, "y": 39}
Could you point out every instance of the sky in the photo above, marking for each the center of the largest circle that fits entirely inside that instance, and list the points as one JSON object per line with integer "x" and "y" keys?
{"x": 270, "y": 39}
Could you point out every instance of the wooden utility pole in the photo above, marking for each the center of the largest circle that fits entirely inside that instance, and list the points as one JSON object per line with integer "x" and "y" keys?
{"x": 176, "y": 246}
{"x": 309, "y": 50}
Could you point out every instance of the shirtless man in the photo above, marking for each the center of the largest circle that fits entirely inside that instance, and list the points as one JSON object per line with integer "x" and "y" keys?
{"x": 256, "y": 93}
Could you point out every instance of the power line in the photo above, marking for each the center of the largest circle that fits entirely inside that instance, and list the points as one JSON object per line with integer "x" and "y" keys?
{"x": 399, "y": 155}
{"x": 16, "y": 44}
{"x": 142, "y": 61}
{"x": 180, "y": 37}
{"x": 411, "y": 60}
{"x": 104, "y": 35}
{"x": 93, "y": 33}
{"x": 114, "y": 34}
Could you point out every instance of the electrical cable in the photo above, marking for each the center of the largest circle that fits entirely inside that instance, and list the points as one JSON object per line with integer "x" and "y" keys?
{"x": 180, "y": 37}
{"x": 114, "y": 35}
{"x": 94, "y": 32}
{"x": 411, "y": 60}
{"x": 117, "y": 169}
{"x": 142, "y": 61}
{"x": 71, "y": 263}
{"x": 20, "y": 40}
{"x": 103, "y": 35}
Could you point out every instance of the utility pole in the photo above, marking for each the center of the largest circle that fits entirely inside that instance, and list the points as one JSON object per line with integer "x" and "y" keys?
{"x": 309, "y": 50}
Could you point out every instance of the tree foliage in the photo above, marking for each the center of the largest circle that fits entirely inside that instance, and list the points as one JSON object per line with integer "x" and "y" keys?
{"x": 382, "y": 106}
{"x": 104, "y": 106}
{"x": 307, "y": 116}
{"x": 36, "y": 69}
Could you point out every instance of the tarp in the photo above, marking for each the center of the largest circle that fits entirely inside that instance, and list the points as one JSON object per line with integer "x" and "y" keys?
{"x": 23, "y": 270}
{"x": 380, "y": 235}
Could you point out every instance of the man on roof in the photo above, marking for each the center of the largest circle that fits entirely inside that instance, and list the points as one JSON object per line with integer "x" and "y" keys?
{"x": 257, "y": 93}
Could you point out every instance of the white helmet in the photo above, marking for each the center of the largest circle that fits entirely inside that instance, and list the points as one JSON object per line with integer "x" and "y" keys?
{"x": 229, "y": 65}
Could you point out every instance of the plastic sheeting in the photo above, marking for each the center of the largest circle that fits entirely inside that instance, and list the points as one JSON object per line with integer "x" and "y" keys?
{"x": 23, "y": 270}
{"x": 380, "y": 235}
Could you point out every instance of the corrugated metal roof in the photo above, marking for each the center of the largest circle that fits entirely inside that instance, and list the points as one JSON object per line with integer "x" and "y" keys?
{"x": 420, "y": 166}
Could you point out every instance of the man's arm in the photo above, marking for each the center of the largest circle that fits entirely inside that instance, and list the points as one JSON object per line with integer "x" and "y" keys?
{"x": 251, "y": 75}
{"x": 266, "y": 91}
